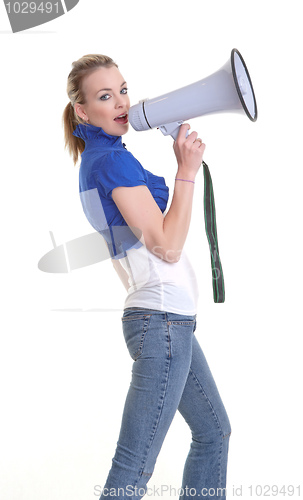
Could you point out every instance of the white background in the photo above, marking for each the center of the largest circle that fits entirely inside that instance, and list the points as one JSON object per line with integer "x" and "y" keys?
{"x": 64, "y": 367}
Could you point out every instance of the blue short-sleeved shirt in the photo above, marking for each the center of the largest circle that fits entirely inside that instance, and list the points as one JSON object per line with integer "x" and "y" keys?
{"x": 105, "y": 165}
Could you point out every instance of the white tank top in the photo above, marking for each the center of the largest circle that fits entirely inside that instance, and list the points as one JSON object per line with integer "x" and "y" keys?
{"x": 157, "y": 284}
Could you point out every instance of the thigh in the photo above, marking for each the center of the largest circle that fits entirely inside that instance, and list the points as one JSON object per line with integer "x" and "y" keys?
{"x": 161, "y": 346}
{"x": 201, "y": 404}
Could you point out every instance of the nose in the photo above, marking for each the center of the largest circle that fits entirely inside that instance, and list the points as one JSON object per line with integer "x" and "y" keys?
{"x": 119, "y": 101}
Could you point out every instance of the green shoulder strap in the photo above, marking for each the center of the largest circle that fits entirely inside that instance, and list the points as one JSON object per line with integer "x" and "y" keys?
{"x": 211, "y": 232}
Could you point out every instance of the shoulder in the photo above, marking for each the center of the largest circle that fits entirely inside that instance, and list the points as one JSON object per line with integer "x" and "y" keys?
{"x": 118, "y": 168}
{"x": 117, "y": 160}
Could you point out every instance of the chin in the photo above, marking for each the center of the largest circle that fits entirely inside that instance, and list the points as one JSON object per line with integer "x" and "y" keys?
{"x": 125, "y": 129}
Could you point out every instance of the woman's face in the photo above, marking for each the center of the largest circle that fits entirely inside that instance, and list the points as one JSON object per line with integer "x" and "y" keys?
{"x": 107, "y": 102}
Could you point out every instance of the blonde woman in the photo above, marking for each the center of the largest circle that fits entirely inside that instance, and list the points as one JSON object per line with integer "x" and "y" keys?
{"x": 126, "y": 204}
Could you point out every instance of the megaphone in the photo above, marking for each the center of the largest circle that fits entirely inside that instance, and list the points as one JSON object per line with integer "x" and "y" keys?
{"x": 227, "y": 90}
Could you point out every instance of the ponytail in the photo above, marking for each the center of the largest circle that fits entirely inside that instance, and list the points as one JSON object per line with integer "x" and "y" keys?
{"x": 74, "y": 144}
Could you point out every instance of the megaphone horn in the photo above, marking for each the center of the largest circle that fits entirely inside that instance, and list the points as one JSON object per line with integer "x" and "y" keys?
{"x": 227, "y": 90}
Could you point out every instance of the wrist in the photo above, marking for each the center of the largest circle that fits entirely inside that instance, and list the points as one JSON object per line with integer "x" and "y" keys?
{"x": 184, "y": 180}
{"x": 185, "y": 175}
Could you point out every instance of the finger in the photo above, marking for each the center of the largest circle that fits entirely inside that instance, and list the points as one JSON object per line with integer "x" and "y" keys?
{"x": 199, "y": 145}
{"x": 202, "y": 147}
{"x": 192, "y": 137}
{"x": 183, "y": 131}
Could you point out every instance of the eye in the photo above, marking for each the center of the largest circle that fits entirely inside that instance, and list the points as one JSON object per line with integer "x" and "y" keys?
{"x": 105, "y": 97}
{"x": 124, "y": 91}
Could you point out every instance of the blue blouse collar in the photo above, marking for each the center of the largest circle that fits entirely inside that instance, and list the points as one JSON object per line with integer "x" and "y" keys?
{"x": 89, "y": 132}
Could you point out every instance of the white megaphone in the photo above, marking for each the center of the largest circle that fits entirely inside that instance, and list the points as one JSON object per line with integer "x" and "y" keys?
{"x": 228, "y": 90}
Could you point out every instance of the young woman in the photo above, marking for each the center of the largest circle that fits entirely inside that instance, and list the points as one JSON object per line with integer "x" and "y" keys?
{"x": 126, "y": 204}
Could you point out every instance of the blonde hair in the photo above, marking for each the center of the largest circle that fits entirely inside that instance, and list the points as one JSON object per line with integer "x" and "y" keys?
{"x": 81, "y": 68}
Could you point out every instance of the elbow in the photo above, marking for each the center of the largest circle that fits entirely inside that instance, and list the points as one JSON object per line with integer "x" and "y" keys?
{"x": 167, "y": 254}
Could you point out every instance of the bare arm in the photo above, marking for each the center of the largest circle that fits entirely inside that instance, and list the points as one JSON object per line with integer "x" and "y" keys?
{"x": 165, "y": 236}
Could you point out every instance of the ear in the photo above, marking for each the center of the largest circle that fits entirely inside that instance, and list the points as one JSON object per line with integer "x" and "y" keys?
{"x": 80, "y": 112}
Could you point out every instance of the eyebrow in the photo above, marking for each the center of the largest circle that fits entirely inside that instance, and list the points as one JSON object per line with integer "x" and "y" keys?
{"x": 101, "y": 90}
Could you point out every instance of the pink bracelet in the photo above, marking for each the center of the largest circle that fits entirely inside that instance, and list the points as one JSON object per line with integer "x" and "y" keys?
{"x": 186, "y": 180}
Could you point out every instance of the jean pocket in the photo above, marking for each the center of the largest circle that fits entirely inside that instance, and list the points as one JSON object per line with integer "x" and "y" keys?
{"x": 183, "y": 325}
{"x": 134, "y": 330}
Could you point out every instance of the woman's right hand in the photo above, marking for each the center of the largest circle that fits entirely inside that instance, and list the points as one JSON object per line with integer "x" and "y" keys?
{"x": 189, "y": 153}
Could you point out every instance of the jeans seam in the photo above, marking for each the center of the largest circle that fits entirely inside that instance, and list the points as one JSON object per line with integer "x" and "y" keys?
{"x": 161, "y": 399}
{"x": 146, "y": 320}
{"x": 209, "y": 403}
{"x": 133, "y": 318}
{"x": 190, "y": 322}
{"x": 157, "y": 421}
{"x": 219, "y": 426}
{"x": 142, "y": 339}
{"x": 226, "y": 435}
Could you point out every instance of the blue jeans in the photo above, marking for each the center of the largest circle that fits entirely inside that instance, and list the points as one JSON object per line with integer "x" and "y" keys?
{"x": 169, "y": 373}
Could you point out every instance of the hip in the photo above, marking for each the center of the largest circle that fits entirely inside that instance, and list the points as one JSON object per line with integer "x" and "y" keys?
{"x": 154, "y": 334}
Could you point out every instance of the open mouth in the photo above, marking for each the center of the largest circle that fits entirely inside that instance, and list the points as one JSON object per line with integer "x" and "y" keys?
{"x": 122, "y": 119}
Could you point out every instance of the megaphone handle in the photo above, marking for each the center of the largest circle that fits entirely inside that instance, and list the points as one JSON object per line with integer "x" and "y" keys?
{"x": 174, "y": 135}
{"x": 172, "y": 129}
